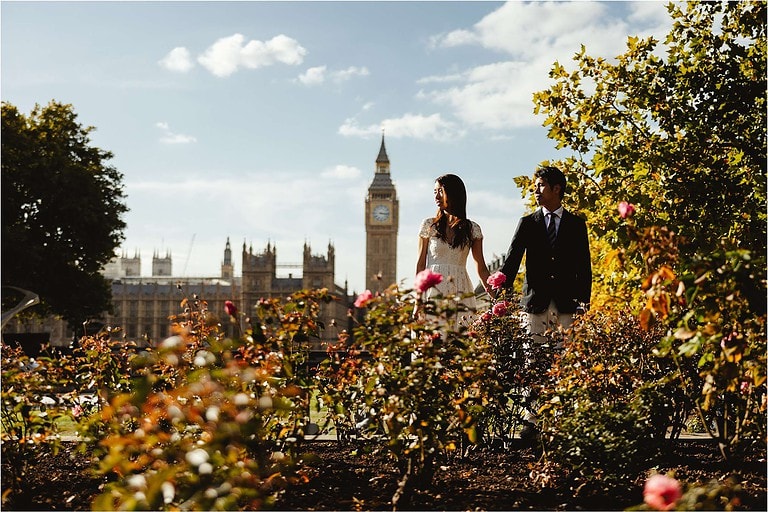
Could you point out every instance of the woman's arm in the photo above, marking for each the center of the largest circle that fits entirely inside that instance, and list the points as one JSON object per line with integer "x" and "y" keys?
{"x": 421, "y": 262}
{"x": 482, "y": 268}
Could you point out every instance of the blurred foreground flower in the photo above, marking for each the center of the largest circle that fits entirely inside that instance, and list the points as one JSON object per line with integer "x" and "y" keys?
{"x": 363, "y": 299}
{"x": 662, "y": 492}
{"x": 230, "y": 308}
{"x": 626, "y": 209}
{"x": 426, "y": 279}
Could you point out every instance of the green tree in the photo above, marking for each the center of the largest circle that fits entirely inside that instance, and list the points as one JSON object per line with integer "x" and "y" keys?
{"x": 682, "y": 137}
{"x": 61, "y": 211}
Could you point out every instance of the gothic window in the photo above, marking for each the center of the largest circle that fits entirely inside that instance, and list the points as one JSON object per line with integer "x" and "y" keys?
{"x": 163, "y": 309}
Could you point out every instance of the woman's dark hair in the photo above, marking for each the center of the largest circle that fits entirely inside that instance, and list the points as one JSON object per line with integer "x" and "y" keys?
{"x": 456, "y": 194}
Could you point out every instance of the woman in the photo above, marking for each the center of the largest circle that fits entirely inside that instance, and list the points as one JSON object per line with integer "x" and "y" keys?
{"x": 446, "y": 240}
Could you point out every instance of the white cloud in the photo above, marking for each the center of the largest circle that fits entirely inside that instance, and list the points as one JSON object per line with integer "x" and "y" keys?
{"x": 534, "y": 35}
{"x": 415, "y": 126}
{"x": 177, "y": 60}
{"x": 342, "y": 172}
{"x": 422, "y": 127}
{"x": 223, "y": 57}
{"x": 313, "y": 76}
{"x": 282, "y": 49}
{"x": 350, "y": 72}
{"x": 168, "y": 137}
{"x": 648, "y": 13}
{"x": 440, "y": 79}
{"x": 495, "y": 96}
{"x": 228, "y": 54}
{"x": 350, "y": 128}
{"x": 177, "y": 138}
{"x": 454, "y": 38}
{"x": 535, "y": 28}
{"x": 317, "y": 75}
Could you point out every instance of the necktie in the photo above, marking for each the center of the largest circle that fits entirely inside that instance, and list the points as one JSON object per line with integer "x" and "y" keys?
{"x": 551, "y": 232}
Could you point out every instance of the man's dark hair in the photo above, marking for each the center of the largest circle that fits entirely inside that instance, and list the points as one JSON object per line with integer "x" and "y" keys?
{"x": 553, "y": 176}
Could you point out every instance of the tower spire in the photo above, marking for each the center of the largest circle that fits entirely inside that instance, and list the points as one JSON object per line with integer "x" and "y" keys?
{"x": 382, "y": 158}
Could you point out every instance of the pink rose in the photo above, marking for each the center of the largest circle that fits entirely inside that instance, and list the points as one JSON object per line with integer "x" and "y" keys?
{"x": 730, "y": 341}
{"x": 426, "y": 279}
{"x": 484, "y": 318}
{"x": 626, "y": 209}
{"x": 500, "y": 308}
{"x": 744, "y": 387}
{"x": 363, "y": 299}
{"x": 496, "y": 280}
{"x": 230, "y": 308}
{"x": 662, "y": 492}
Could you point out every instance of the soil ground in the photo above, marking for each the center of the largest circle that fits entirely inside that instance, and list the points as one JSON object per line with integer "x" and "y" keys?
{"x": 483, "y": 479}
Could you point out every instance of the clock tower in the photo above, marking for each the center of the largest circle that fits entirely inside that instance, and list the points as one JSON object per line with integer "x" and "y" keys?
{"x": 381, "y": 220}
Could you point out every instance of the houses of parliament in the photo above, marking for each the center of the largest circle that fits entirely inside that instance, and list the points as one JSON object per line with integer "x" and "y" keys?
{"x": 142, "y": 305}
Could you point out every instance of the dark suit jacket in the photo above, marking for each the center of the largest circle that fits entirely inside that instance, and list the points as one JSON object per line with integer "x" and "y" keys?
{"x": 562, "y": 272}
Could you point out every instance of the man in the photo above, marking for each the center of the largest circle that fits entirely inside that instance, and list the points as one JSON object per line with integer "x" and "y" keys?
{"x": 558, "y": 270}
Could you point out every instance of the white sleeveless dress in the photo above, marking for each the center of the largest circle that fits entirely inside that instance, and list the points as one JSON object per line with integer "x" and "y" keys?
{"x": 451, "y": 262}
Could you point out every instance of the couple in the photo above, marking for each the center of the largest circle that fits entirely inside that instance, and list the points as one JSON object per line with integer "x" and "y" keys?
{"x": 558, "y": 271}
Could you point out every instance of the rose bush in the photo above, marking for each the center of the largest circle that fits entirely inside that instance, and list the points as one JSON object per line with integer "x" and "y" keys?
{"x": 419, "y": 391}
{"x": 213, "y": 423}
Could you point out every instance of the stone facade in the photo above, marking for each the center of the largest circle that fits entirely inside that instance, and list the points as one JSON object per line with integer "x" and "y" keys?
{"x": 142, "y": 305}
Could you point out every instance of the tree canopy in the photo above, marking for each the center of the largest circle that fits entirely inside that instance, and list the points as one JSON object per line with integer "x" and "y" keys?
{"x": 679, "y": 131}
{"x": 61, "y": 211}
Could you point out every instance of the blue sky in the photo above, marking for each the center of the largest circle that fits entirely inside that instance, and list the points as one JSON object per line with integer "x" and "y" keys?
{"x": 261, "y": 121}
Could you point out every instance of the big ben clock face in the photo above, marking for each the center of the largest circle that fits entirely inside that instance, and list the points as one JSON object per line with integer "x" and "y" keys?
{"x": 381, "y": 213}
